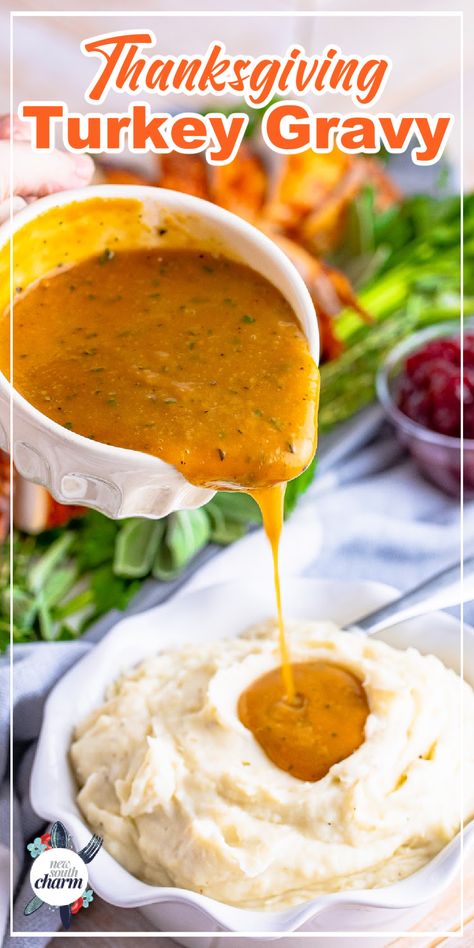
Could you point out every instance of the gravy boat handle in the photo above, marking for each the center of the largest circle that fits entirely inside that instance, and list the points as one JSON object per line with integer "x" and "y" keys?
{"x": 438, "y": 592}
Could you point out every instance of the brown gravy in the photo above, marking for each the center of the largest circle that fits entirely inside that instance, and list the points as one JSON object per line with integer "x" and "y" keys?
{"x": 179, "y": 353}
{"x": 323, "y": 725}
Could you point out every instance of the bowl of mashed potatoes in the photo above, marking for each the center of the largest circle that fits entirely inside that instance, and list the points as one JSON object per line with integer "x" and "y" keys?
{"x": 201, "y": 829}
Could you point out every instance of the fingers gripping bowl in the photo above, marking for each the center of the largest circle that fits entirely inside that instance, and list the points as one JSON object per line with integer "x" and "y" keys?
{"x": 178, "y": 909}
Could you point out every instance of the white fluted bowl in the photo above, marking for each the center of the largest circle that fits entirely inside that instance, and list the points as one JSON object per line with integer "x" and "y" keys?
{"x": 205, "y": 615}
{"x": 76, "y": 470}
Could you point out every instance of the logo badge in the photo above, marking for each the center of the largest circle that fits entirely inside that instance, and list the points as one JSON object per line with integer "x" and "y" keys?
{"x": 59, "y": 874}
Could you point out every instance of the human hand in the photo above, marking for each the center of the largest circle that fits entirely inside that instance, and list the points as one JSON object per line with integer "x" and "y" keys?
{"x": 35, "y": 173}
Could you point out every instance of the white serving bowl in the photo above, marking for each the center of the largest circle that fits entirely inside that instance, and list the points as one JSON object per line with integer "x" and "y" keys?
{"x": 77, "y": 470}
{"x": 207, "y": 615}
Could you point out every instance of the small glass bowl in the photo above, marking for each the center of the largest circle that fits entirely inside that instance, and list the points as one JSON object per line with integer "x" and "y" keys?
{"x": 438, "y": 456}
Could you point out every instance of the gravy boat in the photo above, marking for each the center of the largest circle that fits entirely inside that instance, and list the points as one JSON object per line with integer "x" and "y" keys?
{"x": 68, "y": 227}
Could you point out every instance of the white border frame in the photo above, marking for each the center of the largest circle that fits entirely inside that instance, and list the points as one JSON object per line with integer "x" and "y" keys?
{"x": 458, "y": 14}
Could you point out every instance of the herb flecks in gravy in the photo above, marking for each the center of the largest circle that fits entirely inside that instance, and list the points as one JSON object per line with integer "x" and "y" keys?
{"x": 183, "y": 354}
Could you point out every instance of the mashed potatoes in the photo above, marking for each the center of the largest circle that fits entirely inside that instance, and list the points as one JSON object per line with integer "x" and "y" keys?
{"x": 184, "y": 795}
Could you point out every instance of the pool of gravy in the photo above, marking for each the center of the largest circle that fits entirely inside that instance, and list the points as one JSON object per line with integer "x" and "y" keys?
{"x": 323, "y": 724}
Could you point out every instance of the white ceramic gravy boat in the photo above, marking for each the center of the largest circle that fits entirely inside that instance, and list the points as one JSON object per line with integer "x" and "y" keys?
{"x": 76, "y": 470}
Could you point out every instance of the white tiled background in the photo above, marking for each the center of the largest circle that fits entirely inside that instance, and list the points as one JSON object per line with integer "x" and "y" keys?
{"x": 425, "y": 51}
